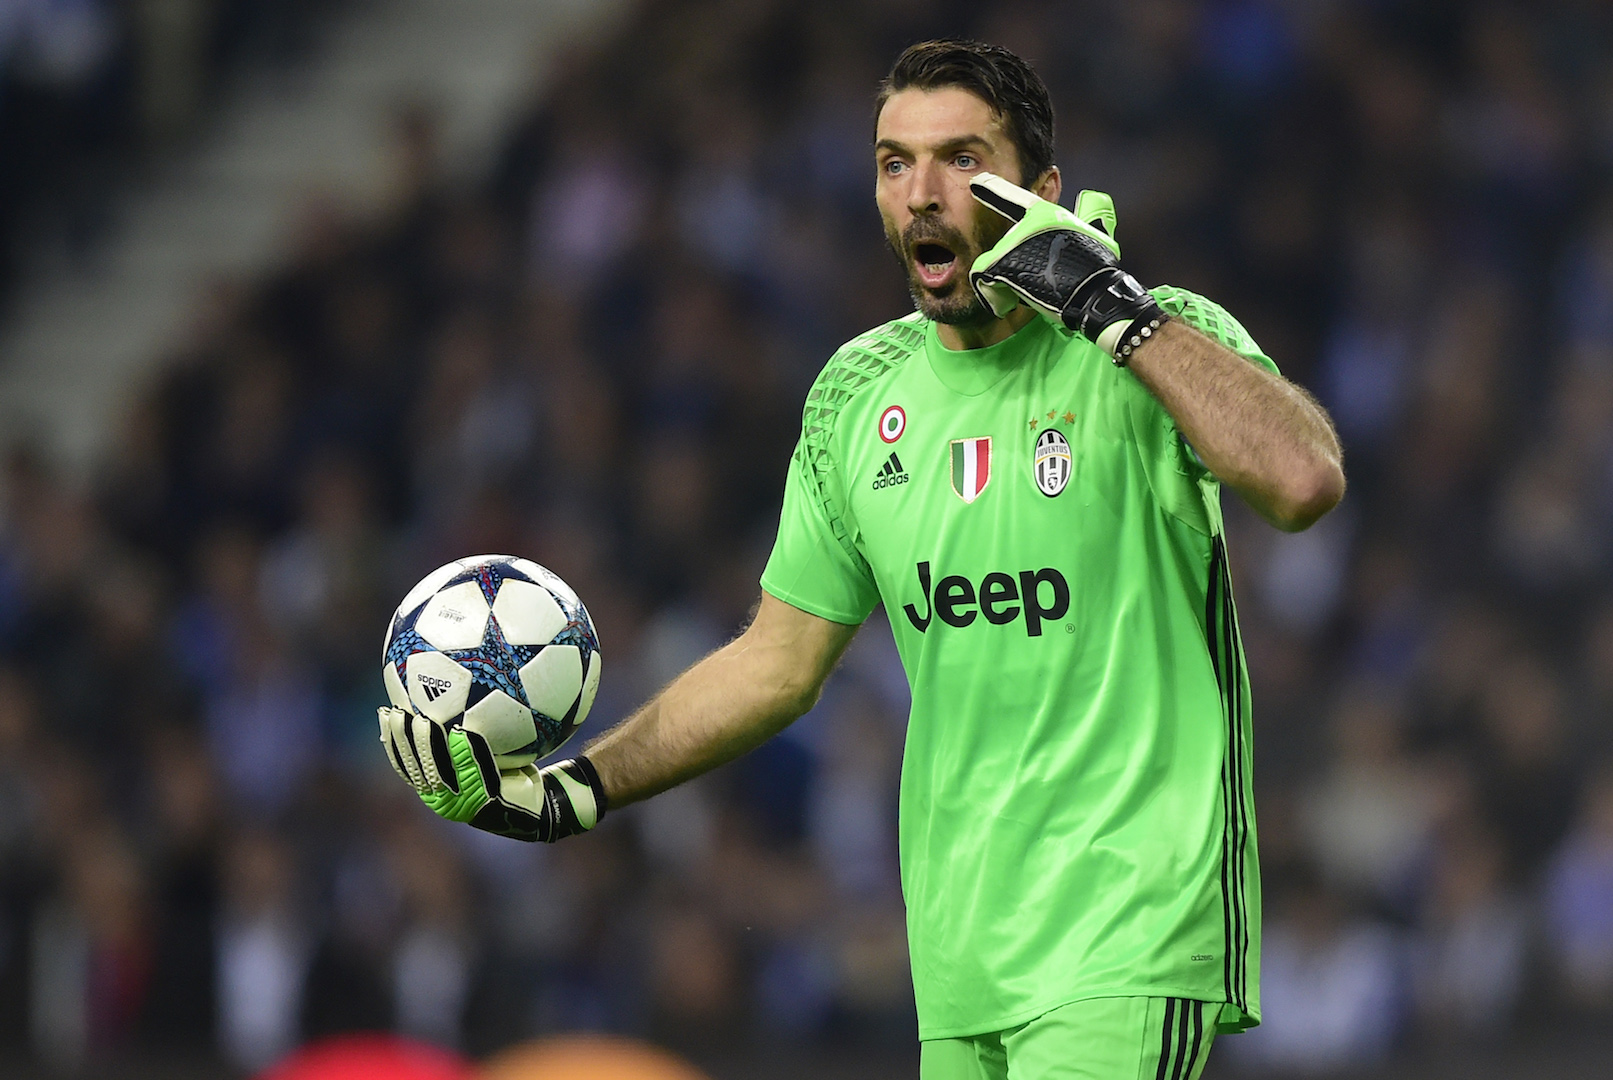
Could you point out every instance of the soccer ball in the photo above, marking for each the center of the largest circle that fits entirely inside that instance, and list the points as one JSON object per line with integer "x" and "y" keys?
{"x": 499, "y": 646}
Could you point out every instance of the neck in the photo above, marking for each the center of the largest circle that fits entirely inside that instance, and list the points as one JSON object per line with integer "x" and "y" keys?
{"x": 986, "y": 333}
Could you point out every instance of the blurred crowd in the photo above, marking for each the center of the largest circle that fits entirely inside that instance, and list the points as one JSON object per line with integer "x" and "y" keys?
{"x": 595, "y": 357}
{"x": 90, "y": 89}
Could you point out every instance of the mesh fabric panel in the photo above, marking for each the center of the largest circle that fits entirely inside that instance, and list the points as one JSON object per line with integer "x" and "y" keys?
{"x": 859, "y": 363}
{"x": 1209, "y": 319}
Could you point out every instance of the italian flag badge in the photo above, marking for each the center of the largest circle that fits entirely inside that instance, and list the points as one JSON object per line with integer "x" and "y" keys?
{"x": 971, "y": 467}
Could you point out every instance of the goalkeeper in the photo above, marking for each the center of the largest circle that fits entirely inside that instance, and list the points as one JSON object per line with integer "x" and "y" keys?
{"x": 1026, "y": 472}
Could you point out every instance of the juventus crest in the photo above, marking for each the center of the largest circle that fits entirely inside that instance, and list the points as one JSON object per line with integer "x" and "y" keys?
{"x": 1052, "y": 462}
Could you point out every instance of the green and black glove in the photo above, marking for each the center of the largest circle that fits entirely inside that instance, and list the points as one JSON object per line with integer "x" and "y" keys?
{"x": 456, "y": 776}
{"x": 1066, "y": 265}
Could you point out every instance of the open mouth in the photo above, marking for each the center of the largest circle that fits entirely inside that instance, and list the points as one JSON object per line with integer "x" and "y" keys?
{"x": 935, "y": 264}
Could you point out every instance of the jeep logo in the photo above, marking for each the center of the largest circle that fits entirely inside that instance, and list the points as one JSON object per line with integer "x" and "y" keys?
{"x": 999, "y": 597}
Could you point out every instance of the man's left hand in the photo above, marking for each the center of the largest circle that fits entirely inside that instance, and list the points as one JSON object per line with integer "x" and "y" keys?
{"x": 1064, "y": 264}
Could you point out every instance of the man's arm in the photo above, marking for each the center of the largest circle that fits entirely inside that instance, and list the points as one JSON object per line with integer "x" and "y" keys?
{"x": 730, "y": 702}
{"x": 1257, "y": 432}
{"x": 1260, "y": 434}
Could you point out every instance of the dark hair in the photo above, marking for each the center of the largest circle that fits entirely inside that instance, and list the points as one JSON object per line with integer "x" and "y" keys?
{"x": 993, "y": 74}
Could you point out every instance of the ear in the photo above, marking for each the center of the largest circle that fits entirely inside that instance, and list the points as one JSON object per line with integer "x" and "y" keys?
{"x": 1051, "y": 185}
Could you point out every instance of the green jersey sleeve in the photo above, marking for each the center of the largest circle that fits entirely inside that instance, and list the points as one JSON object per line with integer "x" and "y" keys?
{"x": 1213, "y": 321}
{"x": 816, "y": 563}
{"x": 1180, "y": 482}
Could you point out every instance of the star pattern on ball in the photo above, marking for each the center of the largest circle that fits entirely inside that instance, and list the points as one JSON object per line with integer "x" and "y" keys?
{"x": 498, "y": 645}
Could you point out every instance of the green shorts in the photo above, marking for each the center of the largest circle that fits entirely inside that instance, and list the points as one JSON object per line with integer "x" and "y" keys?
{"x": 1102, "y": 1039}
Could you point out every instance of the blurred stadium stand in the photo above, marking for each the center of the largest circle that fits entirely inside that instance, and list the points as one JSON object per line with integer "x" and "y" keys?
{"x": 95, "y": 89}
{"x": 593, "y": 352}
{"x": 160, "y": 172}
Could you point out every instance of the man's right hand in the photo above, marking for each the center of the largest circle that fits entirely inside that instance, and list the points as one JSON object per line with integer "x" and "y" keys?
{"x": 455, "y": 774}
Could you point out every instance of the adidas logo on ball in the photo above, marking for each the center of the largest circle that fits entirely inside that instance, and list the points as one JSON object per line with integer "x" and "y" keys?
{"x": 434, "y": 687}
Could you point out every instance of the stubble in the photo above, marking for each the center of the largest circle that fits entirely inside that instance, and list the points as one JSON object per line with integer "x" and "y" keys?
{"x": 957, "y": 304}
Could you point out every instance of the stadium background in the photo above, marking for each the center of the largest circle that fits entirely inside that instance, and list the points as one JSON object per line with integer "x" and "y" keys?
{"x": 593, "y": 353}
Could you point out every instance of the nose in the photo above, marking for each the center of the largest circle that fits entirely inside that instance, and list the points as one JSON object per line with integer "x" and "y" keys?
{"x": 924, "y": 196}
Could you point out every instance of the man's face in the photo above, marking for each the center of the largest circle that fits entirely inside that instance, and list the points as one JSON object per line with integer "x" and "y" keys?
{"x": 928, "y": 145}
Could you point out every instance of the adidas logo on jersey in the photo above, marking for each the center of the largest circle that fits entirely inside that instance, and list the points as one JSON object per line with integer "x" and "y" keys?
{"x": 891, "y": 473}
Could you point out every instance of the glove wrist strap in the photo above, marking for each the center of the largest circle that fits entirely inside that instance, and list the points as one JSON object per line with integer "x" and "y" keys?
{"x": 597, "y": 786}
{"x": 1114, "y": 312}
{"x": 574, "y": 798}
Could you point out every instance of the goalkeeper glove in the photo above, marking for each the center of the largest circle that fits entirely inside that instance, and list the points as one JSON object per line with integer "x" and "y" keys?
{"x": 1064, "y": 264}
{"x": 457, "y": 777}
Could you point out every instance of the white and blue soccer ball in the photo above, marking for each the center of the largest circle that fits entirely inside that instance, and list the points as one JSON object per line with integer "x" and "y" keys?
{"x": 499, "y": 646}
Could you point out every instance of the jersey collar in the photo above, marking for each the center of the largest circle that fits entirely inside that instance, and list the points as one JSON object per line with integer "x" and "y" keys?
{"x": 974, "y": 371}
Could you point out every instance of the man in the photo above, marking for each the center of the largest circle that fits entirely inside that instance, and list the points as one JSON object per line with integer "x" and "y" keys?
{"x": 1026, "y": 472}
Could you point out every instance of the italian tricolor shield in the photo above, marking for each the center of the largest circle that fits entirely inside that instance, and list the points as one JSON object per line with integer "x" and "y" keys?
{"x": 971, "y": 467}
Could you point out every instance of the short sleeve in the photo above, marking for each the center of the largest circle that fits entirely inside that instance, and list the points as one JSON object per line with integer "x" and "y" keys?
{"x": 1213, "y": 321}
{"x": 1183, "y": 486}
{"x": 815, "y": 565}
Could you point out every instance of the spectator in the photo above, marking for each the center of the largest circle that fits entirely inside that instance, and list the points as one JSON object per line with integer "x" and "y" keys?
{"x": 1470, "y": 954}
{"x": 432, "y": 958}
{"x": 91, "y": 954}
{"x": 1579, "y": 899}
{"x": 1529, "y": 781}
{"x": 1370, "y": 819}
{"x": 1329, "y": 983}
{"x": 263, "y": 951}
{"x": 186, "y": 821}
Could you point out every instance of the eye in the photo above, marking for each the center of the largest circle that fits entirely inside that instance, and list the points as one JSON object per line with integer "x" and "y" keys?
{"x": 893, "y": 166}
{"x": 965, "y": 161}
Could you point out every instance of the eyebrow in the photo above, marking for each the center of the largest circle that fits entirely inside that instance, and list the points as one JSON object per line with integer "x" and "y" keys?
{"x": 951, "y": 144}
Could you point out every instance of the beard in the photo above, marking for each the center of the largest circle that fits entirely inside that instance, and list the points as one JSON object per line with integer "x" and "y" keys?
{"x": 955, "y": 304}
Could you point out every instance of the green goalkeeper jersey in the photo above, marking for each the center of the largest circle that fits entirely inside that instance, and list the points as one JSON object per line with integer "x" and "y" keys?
{"x": 1076, "y": 818}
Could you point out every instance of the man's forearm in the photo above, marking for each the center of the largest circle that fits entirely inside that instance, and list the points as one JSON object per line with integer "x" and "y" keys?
{"x": 1261, "y": 435}
{"x": 730, "y": 702}
{"x": 708, "y": 715}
